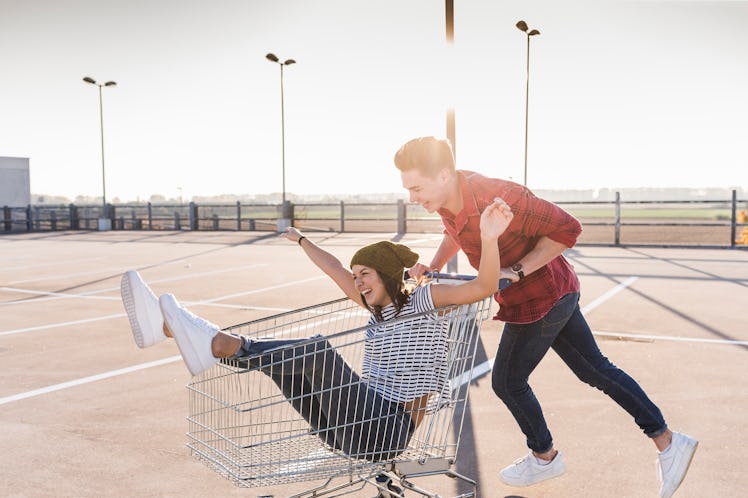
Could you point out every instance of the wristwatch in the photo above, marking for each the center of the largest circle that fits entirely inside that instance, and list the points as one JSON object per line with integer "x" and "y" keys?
{"x": 517, "y": 268}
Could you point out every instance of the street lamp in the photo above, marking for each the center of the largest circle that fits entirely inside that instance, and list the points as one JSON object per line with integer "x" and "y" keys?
{"x": 287, "y": 62}
{"x": 449, "y": 8}
{"x": 92, "y": 81}
{"x": 522, "y": 26}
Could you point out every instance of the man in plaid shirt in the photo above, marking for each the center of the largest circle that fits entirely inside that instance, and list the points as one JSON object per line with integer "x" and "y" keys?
{"x": 540, "y": 310}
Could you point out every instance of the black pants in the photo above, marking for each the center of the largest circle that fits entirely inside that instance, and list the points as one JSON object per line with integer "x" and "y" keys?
{"x": 331, "y": 397}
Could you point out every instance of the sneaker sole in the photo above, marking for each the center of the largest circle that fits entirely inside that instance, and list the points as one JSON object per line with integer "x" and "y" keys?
{"x": 523, "y": 484}
{"x": 142, "y": 339}
{"x": 688, "y": 466}
{"x": 129, "y": 302}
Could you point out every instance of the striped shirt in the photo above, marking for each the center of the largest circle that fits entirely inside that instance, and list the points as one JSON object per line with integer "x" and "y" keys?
{"x": 407, "y": 359}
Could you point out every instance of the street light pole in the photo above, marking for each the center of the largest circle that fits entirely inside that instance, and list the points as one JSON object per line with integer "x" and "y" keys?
{"x": 273, "y": 58}
{"x": 449, "y": 7}
{"x": 92, "y": 81}
{"x": 522, "y": 26}
{"x": 449, "y": 17}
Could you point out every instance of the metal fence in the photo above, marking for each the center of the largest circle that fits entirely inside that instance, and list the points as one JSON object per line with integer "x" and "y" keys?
{"x": 688, "y": 223}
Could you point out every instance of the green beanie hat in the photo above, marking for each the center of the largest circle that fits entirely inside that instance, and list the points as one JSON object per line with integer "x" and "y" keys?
{"x": 388, "y": 258}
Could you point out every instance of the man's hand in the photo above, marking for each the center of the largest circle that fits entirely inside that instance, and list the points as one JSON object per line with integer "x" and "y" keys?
{"x": 418, "y": 270}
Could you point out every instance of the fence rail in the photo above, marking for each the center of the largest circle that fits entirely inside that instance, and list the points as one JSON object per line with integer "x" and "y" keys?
{"x": 688, "y": 223}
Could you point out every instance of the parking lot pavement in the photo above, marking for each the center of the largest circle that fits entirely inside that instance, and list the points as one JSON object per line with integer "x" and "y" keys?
{"x": 86, "y": 413}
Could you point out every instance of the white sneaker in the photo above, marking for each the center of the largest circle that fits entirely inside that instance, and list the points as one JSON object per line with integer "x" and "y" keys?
{"x": 527, "y": 471}
{"x": 673, "y": 463}
{"x": 143, "y": 311}
{"x": 193, "y": 334}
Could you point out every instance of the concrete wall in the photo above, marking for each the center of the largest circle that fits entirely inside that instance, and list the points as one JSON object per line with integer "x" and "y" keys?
{"x": 15, "y": 181}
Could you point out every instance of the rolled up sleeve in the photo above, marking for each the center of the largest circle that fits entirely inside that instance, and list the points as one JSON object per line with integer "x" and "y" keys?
{"x": 540, "y": 218}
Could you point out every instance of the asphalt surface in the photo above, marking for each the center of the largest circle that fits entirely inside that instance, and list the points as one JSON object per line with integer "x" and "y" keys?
{"x": 84, "y": 412}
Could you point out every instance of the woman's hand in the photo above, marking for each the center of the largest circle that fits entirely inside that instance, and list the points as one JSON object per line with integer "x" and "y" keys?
{"x": 292, "y": 234}
{"x": 495, "y": 219}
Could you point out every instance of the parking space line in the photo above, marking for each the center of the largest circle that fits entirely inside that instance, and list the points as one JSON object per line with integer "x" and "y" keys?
{"x": 61, "y": 324}
{"x": 53, "y": 295}
{"x": 607, "y": 295}
{"x": 487, "y": 366}
{"x": 650, "y": 337}
{"x": 478, "y": 370}
{"x": 207, "y": 302}
{"x": 86, "y": 380}
{"x": 53, "y": 263}
{"x": 265, "y": 289}
{"x": 56, "y": 295}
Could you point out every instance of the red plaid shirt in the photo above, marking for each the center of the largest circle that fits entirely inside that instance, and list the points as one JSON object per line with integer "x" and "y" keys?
{"x": 529, "y": 300}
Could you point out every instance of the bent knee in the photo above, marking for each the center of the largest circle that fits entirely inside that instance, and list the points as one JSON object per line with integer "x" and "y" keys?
{"x": 507, "y": 388}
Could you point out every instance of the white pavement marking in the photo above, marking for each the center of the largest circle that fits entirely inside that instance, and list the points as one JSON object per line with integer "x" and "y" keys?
{"x": 204, "y": 273}
{"x": 86, "y": 380}
{"x": 728, "y": 342}
{"x": 61, "y": 324}
{"x": 54, "y": 296}
{"x": 612, "y": 292}
{"x": 208, "y": 302}
{"x": 121, "y": 371}
{"x": 257, "y": 291}
{"x": 487, "y": 365}
{"x": 53, "y": 263}
{"x": 478, "y": 370}
{"x": 105, "y": 271}
{"x": 48, "y": 294}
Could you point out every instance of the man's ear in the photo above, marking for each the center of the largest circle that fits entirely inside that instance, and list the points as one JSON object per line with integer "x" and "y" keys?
{"x": 444, "y": 175}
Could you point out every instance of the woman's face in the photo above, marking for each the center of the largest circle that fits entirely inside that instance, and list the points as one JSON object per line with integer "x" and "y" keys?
{"x": 370, "y": 286}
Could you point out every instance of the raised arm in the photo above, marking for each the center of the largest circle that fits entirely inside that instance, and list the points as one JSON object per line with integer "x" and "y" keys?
{"x": 493, "y": 221}
{"x": 326, "y": 262}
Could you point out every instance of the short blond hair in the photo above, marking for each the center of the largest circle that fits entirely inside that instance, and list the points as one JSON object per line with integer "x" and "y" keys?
{"x": 429, "y": 155}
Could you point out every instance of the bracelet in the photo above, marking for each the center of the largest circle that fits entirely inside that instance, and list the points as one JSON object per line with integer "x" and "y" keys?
{"x": 300, "y": 239}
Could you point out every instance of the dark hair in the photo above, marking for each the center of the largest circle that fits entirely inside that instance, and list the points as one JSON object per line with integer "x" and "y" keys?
{"x": 395, "y": 290}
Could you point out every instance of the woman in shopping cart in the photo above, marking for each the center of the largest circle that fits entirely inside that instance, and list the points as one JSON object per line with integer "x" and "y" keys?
{"x": 372, "y": 415}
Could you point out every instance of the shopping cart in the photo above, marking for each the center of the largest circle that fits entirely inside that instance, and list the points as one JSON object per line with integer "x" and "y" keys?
{"x": 244, "y": 427}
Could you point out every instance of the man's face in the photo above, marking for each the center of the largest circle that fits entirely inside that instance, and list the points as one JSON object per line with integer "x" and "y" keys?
{"x": 429, "y": 192}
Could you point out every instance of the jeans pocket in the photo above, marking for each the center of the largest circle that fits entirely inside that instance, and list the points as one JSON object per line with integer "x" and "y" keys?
{"x": 557, "y": 317}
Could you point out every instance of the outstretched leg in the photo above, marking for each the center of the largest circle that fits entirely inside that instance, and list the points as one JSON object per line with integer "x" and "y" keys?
{"x": 315, "y": 378}
{"x": 577, "y": 347}
{"x": 332, "y": 397}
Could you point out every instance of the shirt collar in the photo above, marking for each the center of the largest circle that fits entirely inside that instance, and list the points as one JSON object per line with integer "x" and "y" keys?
{"x": 469, "y": 205}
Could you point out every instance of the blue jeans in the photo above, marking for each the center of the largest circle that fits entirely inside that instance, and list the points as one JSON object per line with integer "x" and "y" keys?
{"x": 341, "y": 409}
{"x": 565, "y": 330}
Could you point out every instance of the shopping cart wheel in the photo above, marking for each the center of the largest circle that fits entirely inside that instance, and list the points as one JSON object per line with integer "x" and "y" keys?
{"x": 392, "y": 491}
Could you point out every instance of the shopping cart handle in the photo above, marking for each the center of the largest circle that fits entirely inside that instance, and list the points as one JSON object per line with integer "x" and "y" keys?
{"x": 503, "y": 282}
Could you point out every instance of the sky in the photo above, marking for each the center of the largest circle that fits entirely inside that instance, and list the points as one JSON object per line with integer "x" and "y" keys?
{"x": 622, "y": 94}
